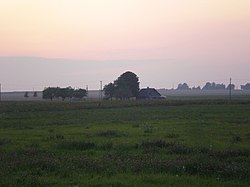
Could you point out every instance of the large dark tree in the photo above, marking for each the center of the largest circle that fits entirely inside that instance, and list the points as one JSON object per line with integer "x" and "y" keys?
{"x": 109, "y": 90}
{"x": 125, "y": 87}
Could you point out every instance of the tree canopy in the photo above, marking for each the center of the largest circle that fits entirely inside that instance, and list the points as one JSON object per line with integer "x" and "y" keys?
{"x": 183, "y": 86}
{"x": 214, "y": 86}
{"x": 245, "y": 87}
{"x": 124, "y": 87}
{"x": 109, "y": 90}
{"x": 207, "y": 86}
{"x": 56, "y": 92}
{"x": 50, "y": 92}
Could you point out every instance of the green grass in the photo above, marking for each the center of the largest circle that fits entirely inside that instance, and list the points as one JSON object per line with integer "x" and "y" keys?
{"x": 125, "y": 143}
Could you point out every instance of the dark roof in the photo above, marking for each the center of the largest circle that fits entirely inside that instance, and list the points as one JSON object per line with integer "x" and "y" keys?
{"x": 149, "y": 93}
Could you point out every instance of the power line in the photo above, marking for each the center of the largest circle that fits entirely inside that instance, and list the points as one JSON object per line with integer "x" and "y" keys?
{"x": 230, "y": 89}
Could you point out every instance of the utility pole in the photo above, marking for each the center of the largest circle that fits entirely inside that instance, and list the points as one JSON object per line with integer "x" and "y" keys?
{"x": 0, "y": 92}
{"x": 230, "y": 89}
{"x": 100, "y": 90}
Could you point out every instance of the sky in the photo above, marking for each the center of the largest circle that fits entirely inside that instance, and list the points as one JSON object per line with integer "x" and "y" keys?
{"x": 164, "y": 42}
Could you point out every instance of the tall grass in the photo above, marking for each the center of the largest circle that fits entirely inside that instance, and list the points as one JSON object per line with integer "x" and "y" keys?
{"x": 135, "y": 143}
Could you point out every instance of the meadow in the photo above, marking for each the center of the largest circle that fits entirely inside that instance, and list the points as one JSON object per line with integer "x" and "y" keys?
{"x": 194, "y": 142}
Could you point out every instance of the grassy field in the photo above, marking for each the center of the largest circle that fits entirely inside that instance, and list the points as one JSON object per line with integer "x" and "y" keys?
{"x": 125, "y": 143}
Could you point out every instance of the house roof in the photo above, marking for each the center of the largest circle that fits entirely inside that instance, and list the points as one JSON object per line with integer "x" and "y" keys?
{"x": 149, "y": 93}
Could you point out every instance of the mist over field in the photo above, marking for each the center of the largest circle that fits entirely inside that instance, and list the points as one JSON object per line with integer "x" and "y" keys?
{"x": 36, "y": 73}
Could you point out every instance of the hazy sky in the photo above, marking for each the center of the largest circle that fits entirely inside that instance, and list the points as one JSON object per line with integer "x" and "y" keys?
{"x": 163, "y": 41}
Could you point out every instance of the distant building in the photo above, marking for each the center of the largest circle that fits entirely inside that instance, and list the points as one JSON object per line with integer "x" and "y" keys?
{"x": 149, "y": 93}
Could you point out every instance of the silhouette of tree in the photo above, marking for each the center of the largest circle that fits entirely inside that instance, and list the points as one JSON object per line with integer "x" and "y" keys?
{"x": 196, "y": 88}
{"x": 26, "y": 94}
{"x": 213, "y": 86}
{"x": 183, "y": 86}
{"x": 125, "y": 87}
{"x": 64, "y": 93}
{"x": 232, "y": 87}
{"x": 109, "y": 90}
{"x": 208, "y": 86}
{"x": 35, "y": 94}
{"x": 245, "y": 87}
{"x": 50, "y": 92}
{"x": 79, "y": 93}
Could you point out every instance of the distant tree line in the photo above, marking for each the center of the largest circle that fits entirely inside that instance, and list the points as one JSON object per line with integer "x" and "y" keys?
{"x": 207, "y": 86}
{"x": 245, "y": 87}
{"x": 63, "y": 93}
{"x": 212, "y": 86}
{"x": 124, "y": 87}
{"x": 26, "y": 94}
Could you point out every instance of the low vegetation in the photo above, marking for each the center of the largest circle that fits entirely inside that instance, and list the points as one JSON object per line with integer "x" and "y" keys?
{"x": 118, "y": 143}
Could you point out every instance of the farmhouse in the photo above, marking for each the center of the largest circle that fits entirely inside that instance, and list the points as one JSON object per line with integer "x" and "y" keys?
{"x": 150, "y": 93}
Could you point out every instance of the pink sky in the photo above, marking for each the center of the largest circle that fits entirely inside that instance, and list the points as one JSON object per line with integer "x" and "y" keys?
{"x": 184, "y": 33}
